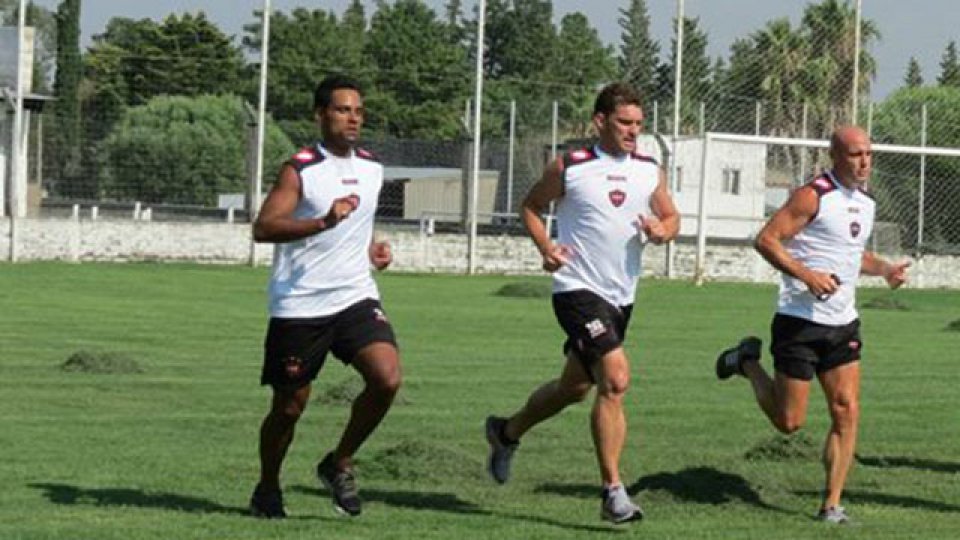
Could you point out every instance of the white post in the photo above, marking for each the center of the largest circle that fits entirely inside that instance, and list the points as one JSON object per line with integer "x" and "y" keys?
{"x": 870, "y": 119}
{"x": 478, "y": 97}
{"x": 230, "y": 215}
{"x": 856, "y": 63}
{"x": 757, "y": 114}
{"x": 700, "y": 269}
{"x": 703, "y": 118}
{"x": 257, "y": 187}
{"x": 923, "y": 178}
{"x": 136, "y": 210}
{"x": 513, "y": 134}
{"x": 553, "y": 155}
{"x": 94, "y": 213}
{"x": 803, "y": 151}
{"x": 677, "y": 90}
{"x": 17, "y": 164}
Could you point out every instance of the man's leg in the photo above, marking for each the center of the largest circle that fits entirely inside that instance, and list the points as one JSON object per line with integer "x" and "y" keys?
{"x": 276, "y": 433}
{"x": 379, "y": 365}
{"x": 841, "y": 387}
{"x": 550, "y": 398}
{"x": 607, "y": 421}
{"x": 783, "y": 399}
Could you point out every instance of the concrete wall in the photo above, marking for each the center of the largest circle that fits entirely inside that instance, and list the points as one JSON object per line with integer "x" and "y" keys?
{"x": 122, "y": 240}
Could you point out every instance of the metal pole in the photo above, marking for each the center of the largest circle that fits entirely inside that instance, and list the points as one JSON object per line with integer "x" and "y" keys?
{"x": 513, "y": 132}
{"x": 759, "y": 111}
{"x": 553, "y": 155}
{"x": 856, "y": 63}
{"x": 17, "y": 164}
{"x": 923, "y": 178}
{"x": 656, "y": 123}
{"x": 703, "y": 118}
{"x": 677, "y": 93}
{"x": 803, "y": 151}
{"x": 702, "y": 213}
{"x": 870, "y": 119}
{"x": 478, "y": 98}
{"x": 257, "y": 187}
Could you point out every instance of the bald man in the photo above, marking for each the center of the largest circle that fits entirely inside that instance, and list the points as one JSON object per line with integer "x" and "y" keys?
{"x": 818, "y": 241}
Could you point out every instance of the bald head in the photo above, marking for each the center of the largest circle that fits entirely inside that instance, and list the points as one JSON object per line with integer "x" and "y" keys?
{"x": 851, "y": 154}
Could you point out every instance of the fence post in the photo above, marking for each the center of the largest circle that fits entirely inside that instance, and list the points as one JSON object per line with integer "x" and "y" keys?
{"x": 756, "y": 129}
{"x": 513, "y": 134}
{"x": 923, "y": 178}
{"x": 700, "y": 270}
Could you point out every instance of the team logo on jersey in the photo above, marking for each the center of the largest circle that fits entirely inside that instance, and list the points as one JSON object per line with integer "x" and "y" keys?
{"x": 617, "y": 197}
{"x": 596, "y": 328}
{"x": 854, "y": 229}
{"x": 349, "y": 181}
{"x": 293, "y": 366}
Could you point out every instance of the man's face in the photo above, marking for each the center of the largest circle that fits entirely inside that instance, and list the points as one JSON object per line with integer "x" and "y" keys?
{"x": 853, "y": 158}
{"x": 341, "y": 120}
{"x": 619, "y": 130}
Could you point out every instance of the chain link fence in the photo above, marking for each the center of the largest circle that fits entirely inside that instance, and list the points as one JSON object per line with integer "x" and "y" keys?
{"x": 168, "y": 133}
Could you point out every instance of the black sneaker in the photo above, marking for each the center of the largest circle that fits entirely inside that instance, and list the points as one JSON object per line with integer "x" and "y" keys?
{"x": 342, "y": 486}
{"x": 501, "y": 454}
{"x": 267, "y": 504}
{"x": 731, "y": 361}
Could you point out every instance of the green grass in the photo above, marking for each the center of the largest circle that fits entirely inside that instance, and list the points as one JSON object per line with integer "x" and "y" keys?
{"x": 170, "y": 452}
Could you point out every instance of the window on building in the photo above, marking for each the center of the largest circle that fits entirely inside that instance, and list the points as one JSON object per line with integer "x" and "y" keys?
{"x": 731, "y": 181}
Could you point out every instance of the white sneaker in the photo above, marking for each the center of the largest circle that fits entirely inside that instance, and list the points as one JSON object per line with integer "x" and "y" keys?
{"x": 617, "y": 506}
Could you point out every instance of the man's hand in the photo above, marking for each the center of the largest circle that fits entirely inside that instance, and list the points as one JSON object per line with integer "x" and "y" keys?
{"x": 821, "y": 284}
{"x": 652, "y": 228}
{"x": 380, "y": 255}
{"x": 896, "y": 274}
{"x": 341, "y": 210}
{"x": 556, "y": 256}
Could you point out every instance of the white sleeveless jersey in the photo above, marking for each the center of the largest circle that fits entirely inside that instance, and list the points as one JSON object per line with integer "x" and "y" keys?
{"x": 603, "y": 197}
{"x": 324, "y": 273}
{"x": 832, "y": 242}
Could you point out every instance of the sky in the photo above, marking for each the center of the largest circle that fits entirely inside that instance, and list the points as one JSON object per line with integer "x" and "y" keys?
{"x": 919, "y": 28}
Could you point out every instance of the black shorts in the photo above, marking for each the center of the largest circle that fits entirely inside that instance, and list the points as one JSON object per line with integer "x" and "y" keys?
{"x": 801, "y": 348}
{"x": 296, "y": 348}
{"x": 593, "y": 326}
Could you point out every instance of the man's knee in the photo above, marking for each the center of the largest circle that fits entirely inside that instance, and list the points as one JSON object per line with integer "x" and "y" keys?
{"x": 576, "y": 393}
{"x": 845, "y": 411}
{"x": 615, "y": 385}
{"x": 288, "y": 408}
{"x": 788, "y": 423}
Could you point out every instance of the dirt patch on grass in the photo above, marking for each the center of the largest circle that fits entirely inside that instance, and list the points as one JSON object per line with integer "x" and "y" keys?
{"x": 421, "y": 460}
{"x": 347, "y": 390}
{"x": 784, "y": 448}
{"x": 886, "y": 302}
{"x": 100, "y": 362}
{"x": 526, "y": 289}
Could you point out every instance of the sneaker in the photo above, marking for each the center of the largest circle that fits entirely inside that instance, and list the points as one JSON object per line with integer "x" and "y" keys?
{"x": 731, "y": 361}
{"x": 833, "y": 514}
{"x": 342, "y": 485}
{"x": 617, "y": 506}
{"x": 501, "y": 453}
{"x": 268, "y": 505}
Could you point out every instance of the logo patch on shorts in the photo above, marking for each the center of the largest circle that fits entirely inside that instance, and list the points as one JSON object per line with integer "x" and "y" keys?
{"x": 854, "y": 345}
{"x": 379, "y": 315}
{"x": 293, "y": 366}
{"x": 596, "y": 328}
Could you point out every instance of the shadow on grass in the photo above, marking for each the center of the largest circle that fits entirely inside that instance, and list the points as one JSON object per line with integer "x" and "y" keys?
{"x": 66, "y": 494}
{"x": 701, "y": 485}
{"x": 885, "y": 462}
{"x": 888, "y": 499}
{"x": 448, "y": 502}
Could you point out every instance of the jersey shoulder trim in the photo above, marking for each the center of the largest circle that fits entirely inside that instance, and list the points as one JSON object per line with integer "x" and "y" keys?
{"x": 822, "y": 185}
{"x": 644, "y": 157}
{"x": 578, "y": 156}
{"x": 306, "y": 157}
{"x": 866, "y": 193}
{"x": 363, "y": 153}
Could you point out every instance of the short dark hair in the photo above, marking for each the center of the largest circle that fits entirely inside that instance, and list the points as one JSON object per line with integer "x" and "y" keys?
{"x": 324, "y": 92}
{"x": 614, "y": 95}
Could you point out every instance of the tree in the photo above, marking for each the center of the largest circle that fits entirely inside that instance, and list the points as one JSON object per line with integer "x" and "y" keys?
{"x": 163, "y": 137}
{"x": 422, "y": 79}
{"x": 895, "y": 182}
{"x": 583, "y": 63}
{"x": 639, "y": 53}
{"x": 950, "y": 67}
{"x": 914, "y": 77}
{"x": 66, "y": 87}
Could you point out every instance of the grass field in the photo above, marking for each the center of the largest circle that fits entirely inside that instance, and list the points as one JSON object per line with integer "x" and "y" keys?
{"x": 169, "y": 451}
